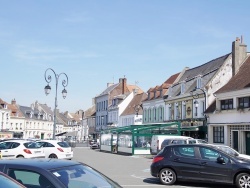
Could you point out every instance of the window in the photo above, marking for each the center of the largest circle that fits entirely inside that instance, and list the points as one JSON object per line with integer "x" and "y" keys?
{"x": 184, "y": 111}
{"x": 198, "y": 82}
{"x": 244, "y": 102}
{"x": 211, "y": 155}
{"x": 218, "y": 134}
{"x": 184, "y": 151}
{"x": 182, "y": 87}
{"x": 170, "y": 112}
{"x": 30, "y": 178}
{"x": 227, "y": 104}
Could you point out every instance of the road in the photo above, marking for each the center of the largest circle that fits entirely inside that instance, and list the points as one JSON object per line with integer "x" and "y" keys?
{"x": 128, "y": 171}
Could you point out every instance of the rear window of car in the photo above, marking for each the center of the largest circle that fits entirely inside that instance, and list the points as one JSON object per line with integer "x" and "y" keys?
{"x": 63, "y": 144}
{"x": 31, "y": 145}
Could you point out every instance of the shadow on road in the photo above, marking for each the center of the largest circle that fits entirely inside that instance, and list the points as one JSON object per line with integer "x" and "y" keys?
{"x": 156, "y": 181}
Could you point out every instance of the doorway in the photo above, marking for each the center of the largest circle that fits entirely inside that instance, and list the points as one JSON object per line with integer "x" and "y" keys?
{"x": 235, "y": 142}
{"x": 248, "y": 142}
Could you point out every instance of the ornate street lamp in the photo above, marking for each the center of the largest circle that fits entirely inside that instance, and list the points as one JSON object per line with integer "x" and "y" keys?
{"x": 137, "y": 108}
{"x": 195, "y": 95}
{"x": 47, "y": 90}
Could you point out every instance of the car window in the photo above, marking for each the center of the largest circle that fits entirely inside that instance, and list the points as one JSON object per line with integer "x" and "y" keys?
{"x": 184, "y": 151}
{"x": 15, "y": 145}
{"x": 178, "y": 142}
{"x": 228, "y": 150}
{"x": 5, "y": 145}
{"x": 192, "y": 141}
{"x": 31, "y": 145}
{"x": 30, "y": 178}
{"x": 210, "y": 154}
{"x": 8, "y": 183}
{"x": 63, "y": 144}
{"x": 202, "y": 141}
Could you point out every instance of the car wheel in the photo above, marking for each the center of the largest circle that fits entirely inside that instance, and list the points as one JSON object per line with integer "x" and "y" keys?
{"x": 243, "y": 180}
{"x": 53, "y": 156}
{"x": 20, "y": 156}
{"x": 167, "y": 176}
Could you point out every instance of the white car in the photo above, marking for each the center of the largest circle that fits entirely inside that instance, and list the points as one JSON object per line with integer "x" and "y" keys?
{"x": 231, "y": 151}
{"x": 20, "y": 149}
{"x": 56, "y": 149}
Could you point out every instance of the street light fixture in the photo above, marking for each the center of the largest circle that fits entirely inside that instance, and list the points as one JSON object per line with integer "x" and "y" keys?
{"x": 47, "y": 90}
{"x": 137, "y": 108}
{"x": 195, "y": 95}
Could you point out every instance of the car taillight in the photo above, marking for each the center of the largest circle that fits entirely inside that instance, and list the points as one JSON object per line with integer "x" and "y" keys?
{"x": 156, "y": 159}
{"x": 27, "y": 151}
{"x": 60, "y": 149}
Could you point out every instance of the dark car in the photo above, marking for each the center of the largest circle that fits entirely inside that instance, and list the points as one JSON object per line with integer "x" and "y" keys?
{"x": 54, "y": 173}
{"x": 8, "y": 182}
{"x": 200, "y": 162}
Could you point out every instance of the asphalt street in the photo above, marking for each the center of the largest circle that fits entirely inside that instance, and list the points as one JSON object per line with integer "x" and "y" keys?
{"x": 129, "y": 171}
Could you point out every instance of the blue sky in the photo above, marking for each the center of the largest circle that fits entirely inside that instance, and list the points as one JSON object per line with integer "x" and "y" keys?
{"x": 96, "y": 42}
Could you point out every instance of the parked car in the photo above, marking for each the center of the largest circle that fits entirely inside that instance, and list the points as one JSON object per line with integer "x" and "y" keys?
{"x": 54, "y": 173}
{"x": 197, "y": 141}
{"x": 20, "y": 149}
{"x": 56, "y": 149}
{"x": 156, "y": 141}
{"x": 8, "y": 182}
{"x": 95, "y": 145}
{"x": 200, "y": 162}
{"x": 231, "y": 151}
{"x": 180, "y": 140}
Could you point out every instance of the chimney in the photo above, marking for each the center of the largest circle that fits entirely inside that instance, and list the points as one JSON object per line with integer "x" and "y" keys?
{"x": 239, "y": 54}
{"x": 13, "y": 102}
{"x": 124, "y": 84}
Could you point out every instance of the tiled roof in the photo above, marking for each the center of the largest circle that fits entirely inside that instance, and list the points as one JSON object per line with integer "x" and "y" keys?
{"x": 132, "y": 87}
{"x": 163, "y": 87}
{"x": 108, "y": 89}
{"x": 135, "y": 101}
{"x": 208, "y": 69}
{"x": 211, "y": 108}
{"x": 46, "y": 109}
{"x": 204, "y": 68}
{"x": 172, "y": 79}
{"x": 240, "y": 80}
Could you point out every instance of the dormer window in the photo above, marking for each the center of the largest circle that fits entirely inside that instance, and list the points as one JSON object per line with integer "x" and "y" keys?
{"x": 198, "y": 82}
{"x": 154, "y": 94}
{"x": 170, "y": 90}
{"x": 161, "y": 92}
{"x": 182, "y": 87}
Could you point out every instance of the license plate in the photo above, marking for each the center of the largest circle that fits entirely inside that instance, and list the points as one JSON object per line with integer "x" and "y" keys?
{"x": 37, "y": 151}
{"x": 68, "y": 155}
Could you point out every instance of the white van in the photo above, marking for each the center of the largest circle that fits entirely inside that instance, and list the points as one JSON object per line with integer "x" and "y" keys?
{"x": 157, "y": 140}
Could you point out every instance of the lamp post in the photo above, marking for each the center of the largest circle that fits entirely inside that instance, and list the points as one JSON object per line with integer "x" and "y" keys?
{"x": 137, "y": 108}
{"x": 48, "y": 88}
{"x": 195, "y": 95}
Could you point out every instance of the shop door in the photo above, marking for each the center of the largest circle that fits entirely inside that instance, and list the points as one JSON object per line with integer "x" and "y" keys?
{"x": 248, "y": 142}
{"x": 235, "y": 140}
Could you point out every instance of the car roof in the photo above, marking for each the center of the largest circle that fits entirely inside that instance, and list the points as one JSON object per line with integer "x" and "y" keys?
{"x": 40, "y": 163}
{"x": 17, "y": 140}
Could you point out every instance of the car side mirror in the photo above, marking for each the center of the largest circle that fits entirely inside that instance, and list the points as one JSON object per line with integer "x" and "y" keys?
{"x": 221, "y": 160}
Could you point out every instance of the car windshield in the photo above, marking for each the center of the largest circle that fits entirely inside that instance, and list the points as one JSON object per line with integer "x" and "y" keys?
{"x": 63, "y": 144}
{"x": 228, "y": 150}
{"x": 32, "y": 145}
{"x": 82, "y": 176}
